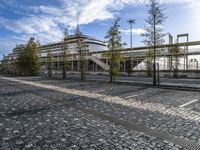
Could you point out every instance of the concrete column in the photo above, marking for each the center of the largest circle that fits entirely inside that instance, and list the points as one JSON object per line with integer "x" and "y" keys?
{"x": 164, "y": 63}
{"x": 58, "y": 67}
{"x": 186, "y": 62}
{"x": 72, "y": 65}
{"x": 78, "y": 65}
{"x": 93, "y": 66}
{"x": 185, "y": 59}
{"x": 124, "y": 66}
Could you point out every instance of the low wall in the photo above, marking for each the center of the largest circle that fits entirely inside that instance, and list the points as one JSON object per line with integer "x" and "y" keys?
{"x": 142, "y": 73}
{"x": 180, "y": 74}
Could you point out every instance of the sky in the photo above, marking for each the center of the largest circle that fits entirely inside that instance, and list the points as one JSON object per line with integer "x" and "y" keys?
{"x": 46, "y": 19}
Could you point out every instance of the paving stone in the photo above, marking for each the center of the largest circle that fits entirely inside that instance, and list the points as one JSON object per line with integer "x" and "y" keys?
{"x": 38, "y": 122}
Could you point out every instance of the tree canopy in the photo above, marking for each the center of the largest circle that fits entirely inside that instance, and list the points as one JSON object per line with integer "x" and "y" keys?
{"x": 114, "y": 43}
{"x": 156, "y": 18}
{"x": 28, "y": 61}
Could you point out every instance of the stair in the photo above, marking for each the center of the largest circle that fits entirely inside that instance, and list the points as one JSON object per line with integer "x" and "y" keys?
{"x": 99, "y": 62}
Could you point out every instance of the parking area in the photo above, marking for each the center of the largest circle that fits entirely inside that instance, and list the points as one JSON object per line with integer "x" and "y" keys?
{"x": 65, "y": 114}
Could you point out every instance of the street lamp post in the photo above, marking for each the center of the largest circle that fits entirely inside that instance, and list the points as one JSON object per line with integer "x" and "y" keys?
{"x": 131, "y": 22}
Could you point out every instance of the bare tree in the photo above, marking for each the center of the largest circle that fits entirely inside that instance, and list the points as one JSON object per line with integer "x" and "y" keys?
{"x": 49, "y": 64}
{"x": 81, "y": 51}
{"x": 65, "y": 53}
{"x": 154, "y": 22}
{"x": 154, "y": 32}
{"x": 114, "y": 44}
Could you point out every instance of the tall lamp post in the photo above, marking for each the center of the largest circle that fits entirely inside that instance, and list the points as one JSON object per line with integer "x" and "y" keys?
{"x": 131, "y": 22}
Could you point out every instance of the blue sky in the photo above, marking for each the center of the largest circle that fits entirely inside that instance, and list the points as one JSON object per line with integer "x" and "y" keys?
{"x": 45, "y": 19}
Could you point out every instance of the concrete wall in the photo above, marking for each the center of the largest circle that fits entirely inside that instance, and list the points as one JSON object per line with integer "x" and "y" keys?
{"x": 180, "y": 74}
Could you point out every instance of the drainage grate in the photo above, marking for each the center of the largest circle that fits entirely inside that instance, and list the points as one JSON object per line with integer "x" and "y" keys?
{"x": 191, "y": 145}
{"x": 188, "y": 144}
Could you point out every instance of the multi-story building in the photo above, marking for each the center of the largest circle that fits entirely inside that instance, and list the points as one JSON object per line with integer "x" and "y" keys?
{"x": 16, "y": 50}
{"x": 90, "y": 45}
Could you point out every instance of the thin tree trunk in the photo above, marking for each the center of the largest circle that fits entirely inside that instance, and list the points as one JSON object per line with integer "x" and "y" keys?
{"x": 64, "y": 65}
{"x": 111, "y": 67}
{"x": 49, "y": 67}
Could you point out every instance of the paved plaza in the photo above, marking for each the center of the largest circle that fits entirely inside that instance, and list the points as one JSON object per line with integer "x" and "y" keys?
{"x": 39, "y": 113}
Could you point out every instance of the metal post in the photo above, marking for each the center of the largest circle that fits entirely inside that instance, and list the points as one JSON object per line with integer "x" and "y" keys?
{"x": 154, "y": 52}
{"x": 169, "y": 52}
{"x": 184, "y": 59}
{"x": 131, "y": 22}
{"x": 131, "y": 42}
{"x": 158, "y": 74}
{"x": 187, "y": 52}
{"x": 164, "y": 62}
{"x": 64, "y": 61}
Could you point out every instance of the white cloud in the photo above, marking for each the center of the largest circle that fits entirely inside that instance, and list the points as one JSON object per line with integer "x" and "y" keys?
{"x": 137, "y": 31}
{"x": 190, "y": 2}
{"x": 46, "y": 22}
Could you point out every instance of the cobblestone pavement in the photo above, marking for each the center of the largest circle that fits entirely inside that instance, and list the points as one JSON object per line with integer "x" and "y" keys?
{"x": 183, "y": 82}
{"x": 33, "y": 117}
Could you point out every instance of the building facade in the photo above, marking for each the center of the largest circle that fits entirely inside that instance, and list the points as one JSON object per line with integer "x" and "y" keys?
{"x": 90, "y": 45}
